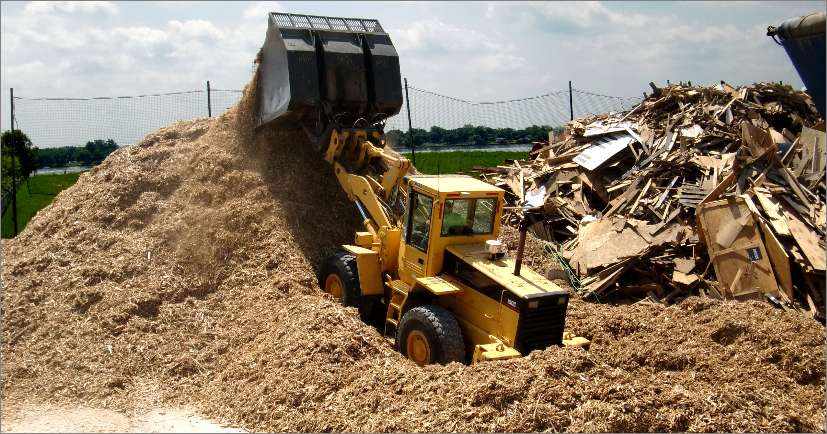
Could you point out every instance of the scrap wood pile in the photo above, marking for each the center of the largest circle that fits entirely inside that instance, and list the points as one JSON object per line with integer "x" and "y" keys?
{"x": 639, "y": 201}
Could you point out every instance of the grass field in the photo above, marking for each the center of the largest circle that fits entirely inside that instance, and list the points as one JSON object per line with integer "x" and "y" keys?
{"x": 44, "y": 188}
{"x": 461, "y": 161}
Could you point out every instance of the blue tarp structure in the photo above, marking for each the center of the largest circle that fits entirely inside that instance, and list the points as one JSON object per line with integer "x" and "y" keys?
{"x": 803, "y": 39}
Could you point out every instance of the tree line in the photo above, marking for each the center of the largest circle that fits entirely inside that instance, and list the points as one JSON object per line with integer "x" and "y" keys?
{"x": 469, "y": 135}
{"x": 94, "y": 152}
{"x": 20, "y": 158}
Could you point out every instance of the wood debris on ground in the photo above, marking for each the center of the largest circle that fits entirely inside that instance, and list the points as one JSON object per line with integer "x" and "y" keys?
{"x": 639, "y": 201}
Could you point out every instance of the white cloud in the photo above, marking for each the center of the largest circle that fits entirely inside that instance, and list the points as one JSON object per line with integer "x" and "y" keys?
{"x": 195, "y": 29}
{"x": 489, "y": 10}
{"x": 141, "y": 36}
{"x": 437, "y": 36}
{"x": 259, "y": 10}
{"x": 71, "y": 7}
{"x": 501, "y": 62}
{"x": 588, "y": 14}
{"x": 109, "y": 60}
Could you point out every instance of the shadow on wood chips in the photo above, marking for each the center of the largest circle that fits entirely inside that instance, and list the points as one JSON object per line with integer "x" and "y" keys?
{"x": 188, "y": 259}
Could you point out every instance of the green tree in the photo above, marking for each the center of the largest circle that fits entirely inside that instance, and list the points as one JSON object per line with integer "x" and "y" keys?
{"x": 476, "y": 139}
{"x": 17, "y": 143}
{"x": 7, "y": 170}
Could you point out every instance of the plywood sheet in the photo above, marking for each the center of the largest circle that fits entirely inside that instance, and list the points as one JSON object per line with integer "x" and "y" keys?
{"x": 741, "y": 264}
{"x": 603, "y": 149}
{"x": 814, "y": 142}
{"x": 602, "y": 245}
{"x": 780, "y": 260}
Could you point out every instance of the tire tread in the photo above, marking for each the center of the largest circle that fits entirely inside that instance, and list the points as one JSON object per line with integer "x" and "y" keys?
{"x": 450, "y": 345}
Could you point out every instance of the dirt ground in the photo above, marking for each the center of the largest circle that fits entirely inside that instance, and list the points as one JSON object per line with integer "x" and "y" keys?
{"x": 39, "y": 417}
{"x": 147, "y": 413}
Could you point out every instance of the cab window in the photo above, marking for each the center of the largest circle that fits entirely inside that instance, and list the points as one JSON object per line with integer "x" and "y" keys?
{"x": 419, "y": 221}
{"x": 468, "y": 216}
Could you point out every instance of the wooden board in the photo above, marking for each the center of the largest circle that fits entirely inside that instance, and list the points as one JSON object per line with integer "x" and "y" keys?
{"x": 720, "y": 188}
{"x": 691, "y": 195}
{"x": 813, "y": 141}
{"x": 806, "y": 239}
{"x": 780, "y": 260}
{"x": 772, "y": 208}
{"x": 742, "y": 266}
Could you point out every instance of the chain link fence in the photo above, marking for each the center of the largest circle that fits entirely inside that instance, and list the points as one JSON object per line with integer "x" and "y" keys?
{"x": 553, "y": 109}
{"x": 54, "y": 122}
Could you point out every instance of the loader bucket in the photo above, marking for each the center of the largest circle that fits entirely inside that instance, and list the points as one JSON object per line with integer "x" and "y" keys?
{"x": 320, "y": 72}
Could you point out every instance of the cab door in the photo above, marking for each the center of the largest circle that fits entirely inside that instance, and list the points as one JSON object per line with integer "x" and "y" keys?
{"x": 417, "y": 233}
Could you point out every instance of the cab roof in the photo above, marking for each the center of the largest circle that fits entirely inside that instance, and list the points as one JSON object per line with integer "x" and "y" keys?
{"x": 453, "y": 183}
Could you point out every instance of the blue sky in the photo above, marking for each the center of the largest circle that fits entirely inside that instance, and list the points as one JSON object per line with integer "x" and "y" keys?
{"x": 472, "y": 50}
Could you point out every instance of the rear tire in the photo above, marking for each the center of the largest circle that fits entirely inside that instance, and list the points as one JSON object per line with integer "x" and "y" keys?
{"x": 430, "y": 334}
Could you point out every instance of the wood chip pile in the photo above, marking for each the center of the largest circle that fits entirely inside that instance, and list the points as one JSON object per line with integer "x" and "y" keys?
{"x": 181, "y": 272}
{"x": 638, "y": 202}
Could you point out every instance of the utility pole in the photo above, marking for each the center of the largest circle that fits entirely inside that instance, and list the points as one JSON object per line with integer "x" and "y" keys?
{"x": 571, "y": 102}
{"x": 209, "y": 102}
{"x": 13, "y": 169}
{"x": 410, "y": 128}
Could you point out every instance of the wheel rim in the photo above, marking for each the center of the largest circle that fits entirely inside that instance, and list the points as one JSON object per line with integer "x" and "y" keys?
{"x": 333, "y": 286}
{"x": 417, "y": 348}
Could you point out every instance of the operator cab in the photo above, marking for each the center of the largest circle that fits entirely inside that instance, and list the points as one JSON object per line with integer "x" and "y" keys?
{"x": 446, "y": 210}
{"x": 449, "y": 220}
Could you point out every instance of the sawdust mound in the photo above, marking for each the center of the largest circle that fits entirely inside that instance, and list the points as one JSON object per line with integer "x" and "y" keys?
{"x": 187, "y": 262}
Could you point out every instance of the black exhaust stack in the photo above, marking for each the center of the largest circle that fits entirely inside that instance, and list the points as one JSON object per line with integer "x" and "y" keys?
{"x": 530, "y": 217}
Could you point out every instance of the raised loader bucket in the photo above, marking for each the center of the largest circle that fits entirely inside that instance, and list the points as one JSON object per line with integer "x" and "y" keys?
{"x": 322, "y": 72}
{"x": 803, "y": 39}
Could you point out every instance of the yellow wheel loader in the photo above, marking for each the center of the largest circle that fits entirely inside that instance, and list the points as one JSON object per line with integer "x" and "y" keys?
{"x": 428, "y": 262}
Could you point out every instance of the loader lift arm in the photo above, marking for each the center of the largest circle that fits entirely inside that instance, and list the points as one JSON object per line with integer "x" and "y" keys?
{"x": 373, "y": 179}
{"x": 352, "y": 154}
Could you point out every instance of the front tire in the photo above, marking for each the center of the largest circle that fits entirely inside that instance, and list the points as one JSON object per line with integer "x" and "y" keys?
{"x": 339, "y": 277}
{"x": 430, "y": 334}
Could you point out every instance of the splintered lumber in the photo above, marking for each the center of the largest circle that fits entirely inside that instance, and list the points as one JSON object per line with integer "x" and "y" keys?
{"x": 608, "y": 276}
{"x": 773, "y": 211}
{"x": 631, "y": 185}
{"x": 807, "y": 240}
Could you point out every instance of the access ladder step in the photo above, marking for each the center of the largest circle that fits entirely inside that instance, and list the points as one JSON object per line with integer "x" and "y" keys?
{"x": 390, "y": 325}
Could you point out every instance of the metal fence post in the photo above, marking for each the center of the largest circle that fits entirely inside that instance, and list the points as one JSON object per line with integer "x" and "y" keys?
{"x": 571, "y": 102}
{"x": 209, "y": 102}
{"x": 410, "y": 128}
{"x": 13, "y": 169}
